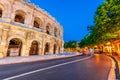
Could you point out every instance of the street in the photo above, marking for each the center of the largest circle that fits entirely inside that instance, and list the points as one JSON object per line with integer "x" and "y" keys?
{"x": 93, "y": 68}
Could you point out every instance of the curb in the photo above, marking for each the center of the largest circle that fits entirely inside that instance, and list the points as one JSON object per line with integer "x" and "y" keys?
{"x": 117, "y": 71}
{"x": 61, "y": 57}
{"x": 112, "y": 75}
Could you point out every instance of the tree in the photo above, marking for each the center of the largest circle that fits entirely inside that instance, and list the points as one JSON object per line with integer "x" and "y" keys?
{"x": 70, "y": 44}
{"x": 106, "y": 24}
{"x": 107, "y": 19}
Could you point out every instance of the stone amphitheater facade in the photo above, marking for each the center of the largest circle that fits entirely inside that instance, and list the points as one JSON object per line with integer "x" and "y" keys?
{"x": 28, "y": 30}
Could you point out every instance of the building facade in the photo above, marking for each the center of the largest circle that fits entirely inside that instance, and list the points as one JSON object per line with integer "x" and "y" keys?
{"x": 28, "y": 30}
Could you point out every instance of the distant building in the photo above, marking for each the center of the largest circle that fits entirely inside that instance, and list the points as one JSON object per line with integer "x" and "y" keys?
{"x": 28, "y": 30}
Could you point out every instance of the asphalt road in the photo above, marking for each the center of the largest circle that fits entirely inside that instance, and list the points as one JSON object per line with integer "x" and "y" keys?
{"x": 95, "y": 68}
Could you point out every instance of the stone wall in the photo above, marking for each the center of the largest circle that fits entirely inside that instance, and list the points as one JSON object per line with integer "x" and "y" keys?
{"x": 26, "y": 32}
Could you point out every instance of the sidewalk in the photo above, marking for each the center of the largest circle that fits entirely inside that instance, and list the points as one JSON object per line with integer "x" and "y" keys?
{"x": 12, "y": 60}
{"x": 117, "y": 58}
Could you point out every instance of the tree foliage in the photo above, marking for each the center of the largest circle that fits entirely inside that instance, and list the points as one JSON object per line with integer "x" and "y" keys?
{"x": 70, "y": 44}
{"x": 106, "y": 24}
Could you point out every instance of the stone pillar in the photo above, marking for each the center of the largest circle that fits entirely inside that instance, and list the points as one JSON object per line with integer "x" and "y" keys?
{"x": 23, "y": 50}
{"x": 50, "y": 48}
{"x": 4, "y": 46}
{"x": 12, "y": 17}
{"x": 6, "y": 12}
{"x": 57, "y": 49}
{"x": 28, "y": 45}
{"x": 40, "y": 49}
{"x": 62, "y": 47}
{"x": 43, "y": 46}
{"x": 44, "y": 25}
{"x": 29, "y": 20}
{"x": 52, "y": 31}
{"x": 0, "y": 35}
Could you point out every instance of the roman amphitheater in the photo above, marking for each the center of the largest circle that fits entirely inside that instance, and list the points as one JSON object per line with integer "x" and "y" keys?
{"x": 27, "y": 30}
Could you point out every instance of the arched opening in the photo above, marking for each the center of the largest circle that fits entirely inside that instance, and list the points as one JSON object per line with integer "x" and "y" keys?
{"x": 36, "y": 24}
{"x": 0, "y": 13}
{"x": 59, "y": 34}
{"x": 54, "y": 51}
{"x": 46, "y": 49}
{"x": 34, "y": 48}
{"x": 48, "y": 29}
{"x": 55, "y": 32}
{"x": 14, "y": 48}
{"x": 59, "y": 50}
{"x": 20, "y": 16}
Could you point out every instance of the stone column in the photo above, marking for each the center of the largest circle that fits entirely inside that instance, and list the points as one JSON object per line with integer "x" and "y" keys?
{"x": 28, "y": 45}
{"x": 62, "y": 47}
{"x": 23, "y": 50}
{"x": 29, "y": 20}
{"x": 57, "y": 49}
{"x": 0, "y": 35}
{"x": 43, "y": 46}
{"x": 40, "y": 49}
{"x": 51, "y": 48}
{"x": 6, "y": 12}
{"x": 4, "y": 46}
{"x": 44, "y": 25}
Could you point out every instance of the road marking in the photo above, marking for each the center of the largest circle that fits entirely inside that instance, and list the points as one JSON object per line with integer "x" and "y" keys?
{"x": 27, "y": 73}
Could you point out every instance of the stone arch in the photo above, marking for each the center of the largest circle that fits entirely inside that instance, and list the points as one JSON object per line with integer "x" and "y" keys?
{"x": 2, "y": 5}
{"x": 14, "y": 47}
{"x": 34, "y": 49}
{"x": 35, "y": 39}
{"x": 48, "y": 28}
{"x": 20, "y": 16}
{"x": 47, "y": 48}
{"x": 17, "y": 36}
{"x": 55, "y": 31}
{"x": 1, "y": 9}
{"x": 1, "y": 12}
{"x": 23, "y": 42}
{"x": 37, "y": 23}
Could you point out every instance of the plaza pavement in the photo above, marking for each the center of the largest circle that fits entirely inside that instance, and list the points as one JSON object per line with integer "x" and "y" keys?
{"x": 13, "y": 60}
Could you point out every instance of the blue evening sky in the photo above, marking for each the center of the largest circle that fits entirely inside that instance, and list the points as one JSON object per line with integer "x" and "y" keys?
{"x": 73, "y": 15}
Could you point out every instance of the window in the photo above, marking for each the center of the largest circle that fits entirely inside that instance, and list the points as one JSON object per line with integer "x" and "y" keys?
{"x": 55, "y": 32}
